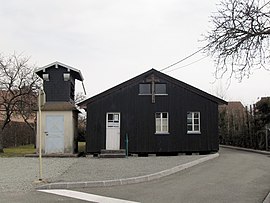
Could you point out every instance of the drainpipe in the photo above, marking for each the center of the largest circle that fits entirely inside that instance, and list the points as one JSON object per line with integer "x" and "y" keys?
{"x": 126, "y": 145}
{"x": 266, "y": 138}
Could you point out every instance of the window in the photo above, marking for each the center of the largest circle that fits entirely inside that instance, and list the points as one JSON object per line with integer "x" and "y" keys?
{"x": 113, "y": 120}
{"x": 46, "y": 77}
{"x": 146, "y": 89}
{"x": 193, "y": 122}
{"x": 162, "y": 123}
{"x": 160, "y": 89}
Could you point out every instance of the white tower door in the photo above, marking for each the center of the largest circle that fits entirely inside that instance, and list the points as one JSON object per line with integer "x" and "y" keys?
{"x": 113, "y": 131}
{"x": 54, "y": 134}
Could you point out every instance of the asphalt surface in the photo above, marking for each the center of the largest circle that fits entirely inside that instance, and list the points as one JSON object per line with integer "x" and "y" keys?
{"x": 235, "y": 176}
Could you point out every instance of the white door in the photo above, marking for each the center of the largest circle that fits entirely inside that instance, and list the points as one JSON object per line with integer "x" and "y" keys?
{"x": 54, "y": 134}
{"x": 113, "y": 131}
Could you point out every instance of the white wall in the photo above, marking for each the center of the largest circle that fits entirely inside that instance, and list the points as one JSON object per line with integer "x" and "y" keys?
{"x": 68, "y": 130}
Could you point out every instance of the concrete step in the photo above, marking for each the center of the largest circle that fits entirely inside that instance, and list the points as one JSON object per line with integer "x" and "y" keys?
{"x": 112, "y": 156}
{"x": 112, "y": 153}
{"x": 105, "y": 151}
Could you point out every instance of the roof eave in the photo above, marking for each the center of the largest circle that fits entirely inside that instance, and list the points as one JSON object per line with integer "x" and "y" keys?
{"x": 61, "y": 64}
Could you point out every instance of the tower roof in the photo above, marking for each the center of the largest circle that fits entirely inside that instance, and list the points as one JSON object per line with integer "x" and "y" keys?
{"x": 76, "y": 73}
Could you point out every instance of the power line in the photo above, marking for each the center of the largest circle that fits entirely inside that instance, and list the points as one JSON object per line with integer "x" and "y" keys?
{"x": 186, "y": 64}
{"x": 182, "y": 59}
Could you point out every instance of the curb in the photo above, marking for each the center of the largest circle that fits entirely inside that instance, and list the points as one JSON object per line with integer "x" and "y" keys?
{"x": 246, "y": 149}
{"x": 126, "y": 181}
{"x": 267, "y": 199}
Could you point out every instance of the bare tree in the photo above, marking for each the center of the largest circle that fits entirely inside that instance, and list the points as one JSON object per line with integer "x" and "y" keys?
{"x": 26, "y": 106}
{"x": 17, "y": 82}
{"x": 79, "y": 97}
{"x": 239, "y": 38}
{"x": 219, "y": 90}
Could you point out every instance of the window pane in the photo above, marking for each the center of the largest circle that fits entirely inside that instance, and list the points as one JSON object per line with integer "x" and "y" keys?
{"x": 164, "y": 115}
{"x": 164, "y": 122}
{"x": 116, "y": 117}
{"x": 196, "y": 128}
{"x": 110, "y": 117}
{"x": 196, "y": 121}
{"x": 189, "y": 115}
{"x": 165, "y": 128}
{"x": 160, "y": 88}
{"x": 144, "y": 88}
{"x": 158, "y": 124}
{"x": 196, "y": 115}
{"x": 189, "y": 121}
{"x": 189, "y": 127}
{"x": 158, "y": 115}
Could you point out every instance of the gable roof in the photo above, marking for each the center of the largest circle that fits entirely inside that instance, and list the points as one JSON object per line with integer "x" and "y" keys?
{"x": 77, "y": 73}
{"x": 142, "y": 76}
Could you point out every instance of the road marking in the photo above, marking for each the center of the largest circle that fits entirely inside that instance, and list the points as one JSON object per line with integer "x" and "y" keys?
{"x": 86, "y": 196}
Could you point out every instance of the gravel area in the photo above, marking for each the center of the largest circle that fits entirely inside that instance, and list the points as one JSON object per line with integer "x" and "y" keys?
{"x": 92, "y": 169}
{"x": 20, "y": 174}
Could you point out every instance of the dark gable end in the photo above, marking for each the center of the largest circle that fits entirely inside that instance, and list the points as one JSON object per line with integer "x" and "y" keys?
{"x": 75, "y": 72}
{"x": 140, "y": 78}
{"x": 59, "y": 81}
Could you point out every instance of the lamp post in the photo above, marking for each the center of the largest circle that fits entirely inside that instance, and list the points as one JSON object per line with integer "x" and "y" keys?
{"x": 41, "y": 101}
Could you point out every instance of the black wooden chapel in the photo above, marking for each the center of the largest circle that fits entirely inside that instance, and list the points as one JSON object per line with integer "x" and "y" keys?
{"x": 158, "y": 114}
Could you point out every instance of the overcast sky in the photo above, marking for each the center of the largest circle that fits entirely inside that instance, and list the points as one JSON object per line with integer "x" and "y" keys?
{"x": 111, "y": 41}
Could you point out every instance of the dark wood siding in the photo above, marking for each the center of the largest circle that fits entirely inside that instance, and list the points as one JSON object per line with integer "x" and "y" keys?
{"x": 138, "y": 120}
{"x": 56, "y": 88}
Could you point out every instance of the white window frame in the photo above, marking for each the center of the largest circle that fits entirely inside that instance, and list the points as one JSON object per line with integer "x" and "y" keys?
{"x": 162, "y": 131}
{"x": 193, "y": 131}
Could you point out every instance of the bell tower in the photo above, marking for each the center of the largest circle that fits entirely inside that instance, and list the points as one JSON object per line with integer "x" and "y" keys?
{"x": 58, "y": 119}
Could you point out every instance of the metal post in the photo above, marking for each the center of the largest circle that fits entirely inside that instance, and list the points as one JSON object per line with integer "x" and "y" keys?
{"x": 40, "y": 132}
{"x": 41, "y": 101}
{"x": 266, "y": 138}
{"x": 126, "y": 145}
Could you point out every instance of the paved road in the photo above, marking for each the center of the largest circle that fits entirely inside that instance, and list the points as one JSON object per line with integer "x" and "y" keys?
{"x": 235, "y": 176}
